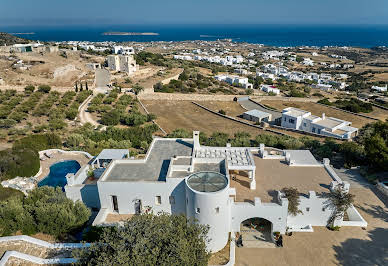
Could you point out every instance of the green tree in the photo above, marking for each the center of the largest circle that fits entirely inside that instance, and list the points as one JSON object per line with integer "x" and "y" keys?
{"x": 44, "y": 88}
{"x": 339, "y": 200}
{"x": 71, "y": 113}
{"x": 353, "y": 153}
{"x": 111, "y": 118}
{"x": 74, "y": 140}
{"x": 137, "y": 89}
{"x": 29, "y": 89}
{"x": 149, "y": 239}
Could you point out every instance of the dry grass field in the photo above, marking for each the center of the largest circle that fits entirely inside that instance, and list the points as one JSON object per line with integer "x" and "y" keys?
{"x": 317, "y": 109}
{"x": 48, "y": 68}
{"x": 184, "y": 114}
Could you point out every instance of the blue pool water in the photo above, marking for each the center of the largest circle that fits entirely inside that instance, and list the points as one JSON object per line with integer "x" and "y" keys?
{"x": 58, "y": 172}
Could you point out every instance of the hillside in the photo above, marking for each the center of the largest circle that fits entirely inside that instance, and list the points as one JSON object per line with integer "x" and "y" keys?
{"x": 6, "y": 38}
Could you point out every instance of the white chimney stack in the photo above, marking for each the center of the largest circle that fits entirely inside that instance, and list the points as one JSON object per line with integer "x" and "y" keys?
{"x": 323, "y": 116}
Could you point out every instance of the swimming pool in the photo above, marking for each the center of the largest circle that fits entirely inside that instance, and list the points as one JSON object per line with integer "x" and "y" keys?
{"x": 58, "y": 172}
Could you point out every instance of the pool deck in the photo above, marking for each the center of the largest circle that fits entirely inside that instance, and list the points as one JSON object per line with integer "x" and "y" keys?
{"x": 58, "y": 157}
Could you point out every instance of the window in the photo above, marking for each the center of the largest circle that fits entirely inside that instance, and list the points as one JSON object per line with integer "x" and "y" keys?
{"x": 158, "y": 200}
{"x": 323, "y": 209}
{"x": 172, "y": 199}
{"x": 313, "y": 130}
{"x": 292, "y": 121}
{"x": 308, "y": 209}
{"x": 198, "y": 210}
{"x": 115, "y": 204}
{"x": 218, "y": 210}
{"x": 319, "y": 131}
{"x": 304, "y": 124}
{"x": 285, "y": 119}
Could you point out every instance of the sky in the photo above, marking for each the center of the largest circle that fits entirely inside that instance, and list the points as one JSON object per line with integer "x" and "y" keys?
{"x": 115, "y": 12}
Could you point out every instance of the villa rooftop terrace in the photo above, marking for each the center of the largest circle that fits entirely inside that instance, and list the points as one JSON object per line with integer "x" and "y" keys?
{"x": 156, "y": 166}
{"x": 329, "y": 122}
{"x": 275, "y": 174}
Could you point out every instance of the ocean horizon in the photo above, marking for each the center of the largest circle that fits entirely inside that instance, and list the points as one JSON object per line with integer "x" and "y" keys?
{"x": 272, "y": 35}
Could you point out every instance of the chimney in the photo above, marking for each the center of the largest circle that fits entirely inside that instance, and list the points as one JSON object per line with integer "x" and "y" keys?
{"x": 323, "y": 116}
{"x": 196, "y": 140}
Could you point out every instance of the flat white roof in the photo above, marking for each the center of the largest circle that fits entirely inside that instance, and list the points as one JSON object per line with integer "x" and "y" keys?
{"x": 257, "y": 113}
{"x": 295, "y": 112}
{"x": 113, "y": 154}
{"x": 329, "y": 122}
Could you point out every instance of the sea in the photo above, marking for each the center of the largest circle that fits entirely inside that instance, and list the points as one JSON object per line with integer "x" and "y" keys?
{"x": 273, "y": 35}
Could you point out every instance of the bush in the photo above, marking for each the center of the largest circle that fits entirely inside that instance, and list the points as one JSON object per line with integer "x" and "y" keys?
{"x": 39, "y": 142}
{"x": 354, "y": 105}
{"x": 180, "y": 133}
{"x": 71, "y": 114}
{"x": 46, "y": 210}
{"x": 22, "y": 162}
{"x": 297, "y": 93}
{"x": 325, "y": 101}
{"x": 222, "y": 112}
{"x": 29, "y": 89}
{"x": 44, "y": 88}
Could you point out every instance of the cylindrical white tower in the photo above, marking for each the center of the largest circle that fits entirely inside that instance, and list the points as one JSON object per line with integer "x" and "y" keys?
{"x": 207, "y": 201}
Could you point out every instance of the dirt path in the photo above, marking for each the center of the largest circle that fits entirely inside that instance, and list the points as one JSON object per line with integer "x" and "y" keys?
{"x": 84, "y": 116}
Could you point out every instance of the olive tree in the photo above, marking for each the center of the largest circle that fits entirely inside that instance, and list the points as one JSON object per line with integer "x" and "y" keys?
{"x": 149, "y": 239}
{"x": 339, "y": 200}
{"x": 292, "y": 194}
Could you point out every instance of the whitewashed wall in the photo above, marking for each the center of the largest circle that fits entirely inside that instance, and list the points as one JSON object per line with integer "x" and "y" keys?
{"x": 146, "y": 191}
{"x": 314, "y": 212}
{"x": 88, "y": 194}
{"x": 273, "y": 212}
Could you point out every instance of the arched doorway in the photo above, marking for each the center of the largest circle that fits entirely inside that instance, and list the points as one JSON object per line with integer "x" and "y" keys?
{"x": 257, "y": 233}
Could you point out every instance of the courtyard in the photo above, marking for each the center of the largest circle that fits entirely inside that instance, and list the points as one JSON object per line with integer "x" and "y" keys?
{"x": 349, "y": 246}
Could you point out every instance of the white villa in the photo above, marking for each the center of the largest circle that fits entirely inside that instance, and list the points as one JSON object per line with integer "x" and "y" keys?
{"x": 327, "y": 126}
{"x": 222, "y": 187}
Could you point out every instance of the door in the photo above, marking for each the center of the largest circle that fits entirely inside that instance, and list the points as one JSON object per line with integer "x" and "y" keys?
{"x": 137, "y": 206}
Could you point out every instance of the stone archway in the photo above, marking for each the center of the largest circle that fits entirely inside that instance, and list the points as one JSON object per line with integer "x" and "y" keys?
{"x": 257, "y": 232}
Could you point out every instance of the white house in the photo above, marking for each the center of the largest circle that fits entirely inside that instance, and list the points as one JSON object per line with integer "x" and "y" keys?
{"x": 270, "y": 89}
{"x": 380, "y": 88}
{"x": 235, "y": 80}
{"x": 223, "y": 187}
{"x": 308, "y": 62}
{"x": 327, "y": 126}
{"x": 324, "y": 87}
{"x": 124, "y": 50}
